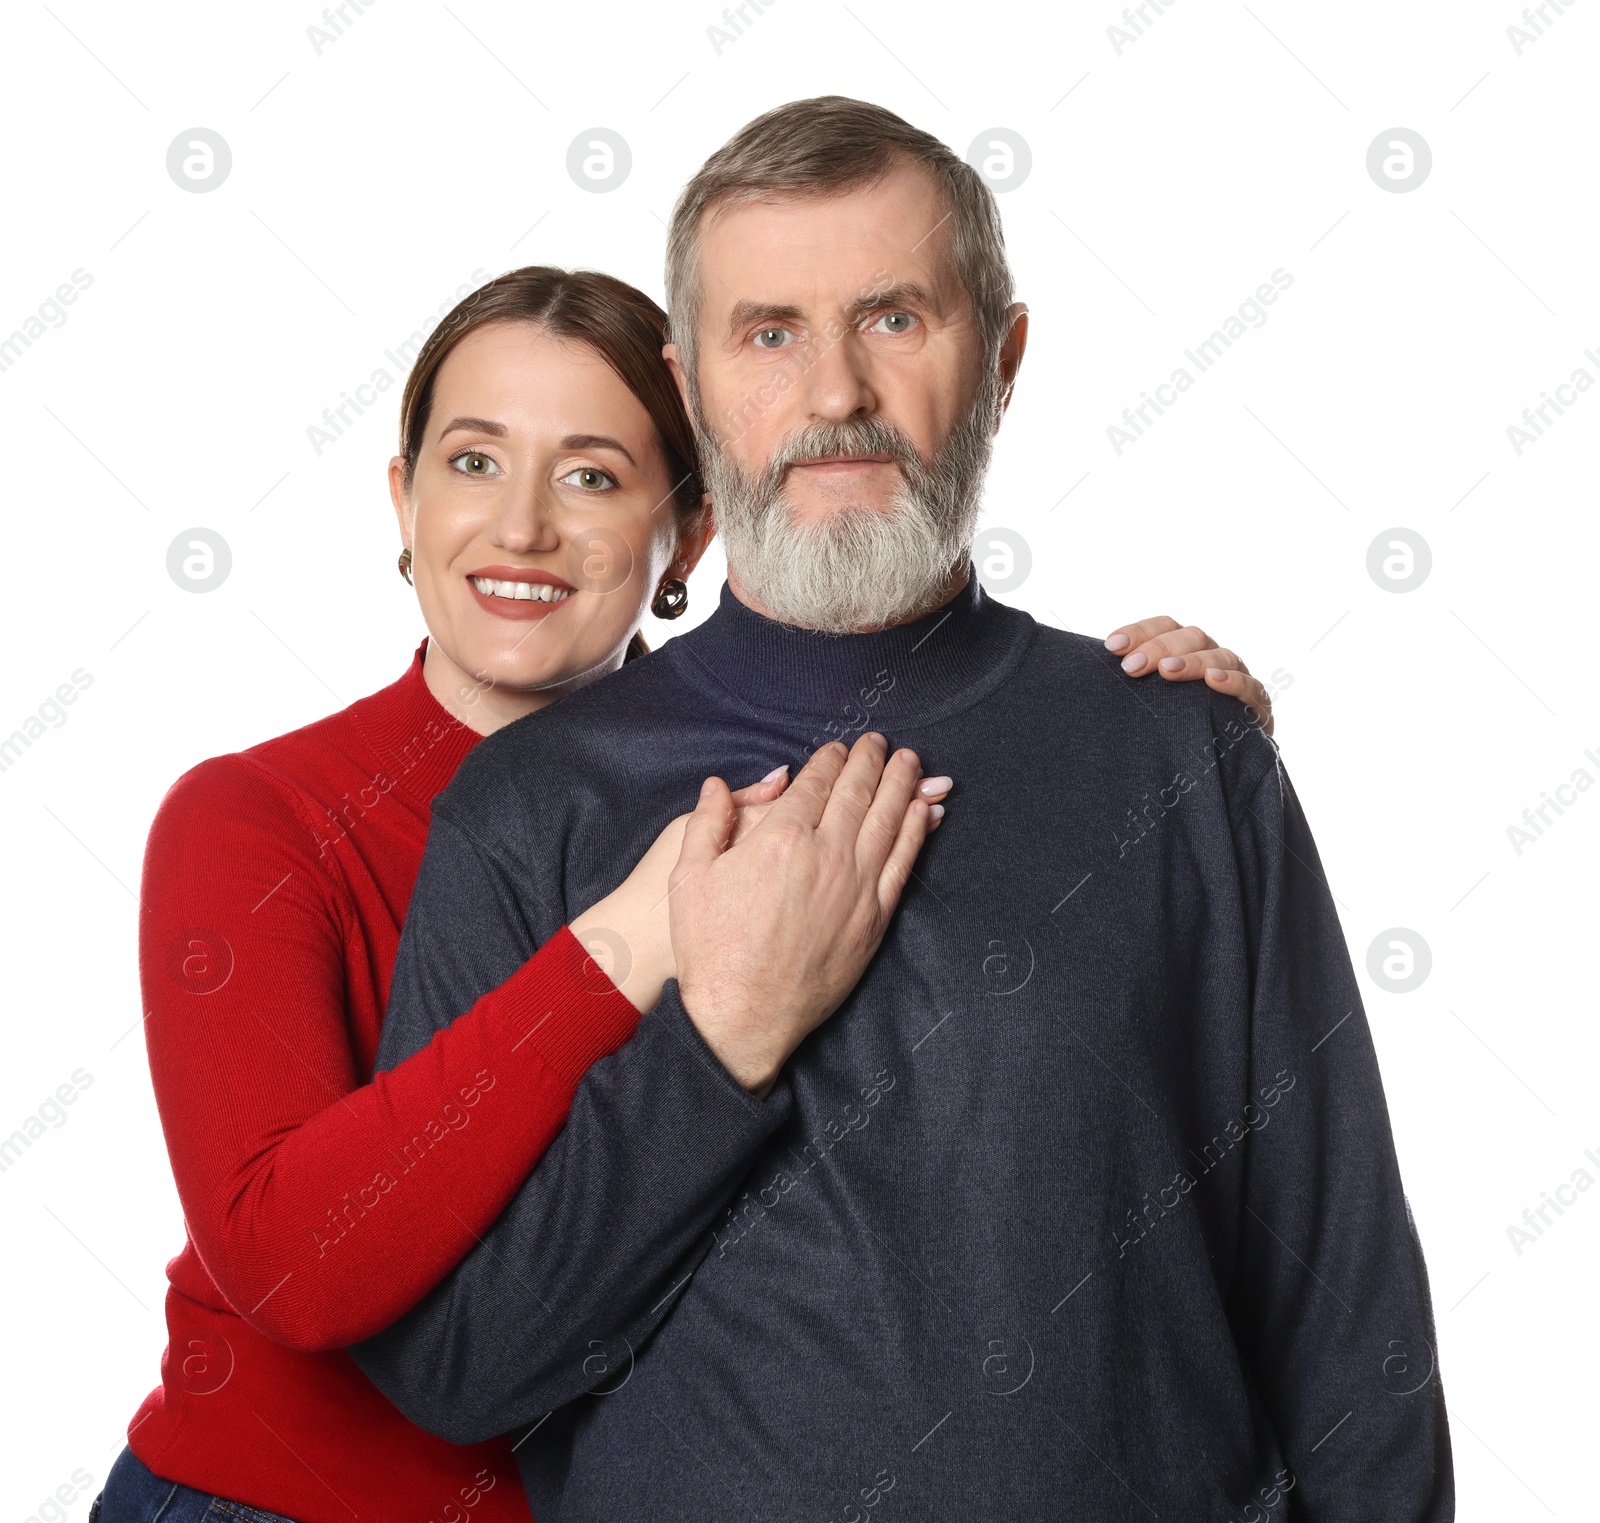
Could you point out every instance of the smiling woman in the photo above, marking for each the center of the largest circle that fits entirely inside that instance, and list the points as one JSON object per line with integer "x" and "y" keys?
{"x": 501, "y": 464}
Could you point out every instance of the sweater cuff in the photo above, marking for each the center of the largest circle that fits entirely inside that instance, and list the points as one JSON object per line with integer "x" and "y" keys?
{"x": 564, "y": 1010}
{"x": 721, "y": 1094}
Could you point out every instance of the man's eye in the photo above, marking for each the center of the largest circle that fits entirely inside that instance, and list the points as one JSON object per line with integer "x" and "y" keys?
{"x": 773, "y": 338}
{"x": 894, "y": 322}
{"x": 587, "y": 479}
{"x": 471, "y": 463}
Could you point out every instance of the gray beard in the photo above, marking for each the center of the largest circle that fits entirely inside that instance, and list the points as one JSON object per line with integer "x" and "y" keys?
{"x": 858, "y": 568}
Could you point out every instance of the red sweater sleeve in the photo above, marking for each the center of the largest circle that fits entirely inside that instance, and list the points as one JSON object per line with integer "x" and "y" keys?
{"x": 323, "y": 1206}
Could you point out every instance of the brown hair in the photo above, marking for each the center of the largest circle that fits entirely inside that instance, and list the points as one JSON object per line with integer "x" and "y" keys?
{"x": 822, "y": 147}
{"x": 620, "y": 323}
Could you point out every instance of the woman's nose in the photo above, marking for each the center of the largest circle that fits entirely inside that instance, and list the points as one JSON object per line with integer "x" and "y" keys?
{"x": 525, "y": 523}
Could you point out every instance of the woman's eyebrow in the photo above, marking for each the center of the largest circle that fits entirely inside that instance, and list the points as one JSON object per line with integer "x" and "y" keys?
{"x": 598, "y": 441}
{"x": 476, "y": 426}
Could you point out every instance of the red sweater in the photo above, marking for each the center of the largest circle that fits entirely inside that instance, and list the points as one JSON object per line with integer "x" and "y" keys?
{"x": 320, "y": 1206}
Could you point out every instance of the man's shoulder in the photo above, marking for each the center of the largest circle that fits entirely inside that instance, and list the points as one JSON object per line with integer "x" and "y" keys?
{"x": 1186, "y": 723}
{"x": 600, "y": 728}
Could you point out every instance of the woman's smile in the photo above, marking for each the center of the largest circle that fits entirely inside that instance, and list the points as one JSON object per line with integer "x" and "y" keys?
{"x": 518, "y": 592}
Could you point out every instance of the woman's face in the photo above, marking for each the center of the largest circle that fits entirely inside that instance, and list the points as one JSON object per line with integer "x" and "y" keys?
{"x": 539, "y": 518}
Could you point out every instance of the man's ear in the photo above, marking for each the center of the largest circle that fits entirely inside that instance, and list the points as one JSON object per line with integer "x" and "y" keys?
{"x": 1012, "y": 347}
{"x": 680, "y": 377}
{"x": 397, "y": 495}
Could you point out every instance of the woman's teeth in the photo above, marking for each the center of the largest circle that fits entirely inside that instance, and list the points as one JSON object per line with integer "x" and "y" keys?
{"x": 527, "y": 592}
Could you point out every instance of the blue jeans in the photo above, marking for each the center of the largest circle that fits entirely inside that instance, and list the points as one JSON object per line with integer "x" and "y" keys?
{"x": 134, "y": 1494}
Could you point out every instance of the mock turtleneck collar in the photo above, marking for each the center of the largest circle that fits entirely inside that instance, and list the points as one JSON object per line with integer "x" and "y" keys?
{"x": 419, "y": 741}
{"x": 940, "y": 662}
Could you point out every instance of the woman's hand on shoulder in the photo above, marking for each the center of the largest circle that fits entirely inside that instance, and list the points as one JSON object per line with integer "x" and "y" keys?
{"x": 1184, "y": 653}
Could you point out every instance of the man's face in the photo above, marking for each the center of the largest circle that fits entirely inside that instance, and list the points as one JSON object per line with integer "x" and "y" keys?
{"x": 829, "y": 309}
{"x": 844, "y": 403}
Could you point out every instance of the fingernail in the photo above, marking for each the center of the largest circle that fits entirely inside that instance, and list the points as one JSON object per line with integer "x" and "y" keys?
{"x": 776, "y": 773}
{"x": 1216, "y": 673}
{"x": 1172, "y": 663}
{"x": 706, "y": 787}
{"x": 936, "y": 811}
{"x": 1135, "y": 663}
{"x": 1117, "y": 642}
{"x": 931, "y": 787}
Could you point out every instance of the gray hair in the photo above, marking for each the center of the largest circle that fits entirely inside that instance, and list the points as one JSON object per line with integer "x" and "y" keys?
{"x": 828, "y": 145}
{"x": 859, "y": 568}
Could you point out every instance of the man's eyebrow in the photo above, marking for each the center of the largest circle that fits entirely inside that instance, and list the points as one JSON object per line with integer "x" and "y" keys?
{"x": 903, "y": 293}
{"x": 598, "y": 441}
{"x": 746, "y": 312}
{"x": 476, "y": 426}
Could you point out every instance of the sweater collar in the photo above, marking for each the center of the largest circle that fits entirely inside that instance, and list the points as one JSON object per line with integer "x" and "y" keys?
{"x": 940, "y": 662}
{"x": 418, "y": 740}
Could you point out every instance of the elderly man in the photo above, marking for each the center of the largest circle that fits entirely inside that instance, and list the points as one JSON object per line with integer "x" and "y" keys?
{"x": 1083, "y": 1204}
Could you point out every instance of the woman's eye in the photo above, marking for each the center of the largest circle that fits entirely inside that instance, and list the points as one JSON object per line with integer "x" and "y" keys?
{"x": 471, "y": 463}
{"x": 894, "y": 322}
{"x": 773, "y": 338}
{"x": 587, "y": 479}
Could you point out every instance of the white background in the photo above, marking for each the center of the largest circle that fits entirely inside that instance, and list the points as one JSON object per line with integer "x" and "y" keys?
{"x": 371, "y": 180}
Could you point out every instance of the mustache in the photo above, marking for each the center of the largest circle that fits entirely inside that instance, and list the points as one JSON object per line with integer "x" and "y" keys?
{"x": 854, "y": 436}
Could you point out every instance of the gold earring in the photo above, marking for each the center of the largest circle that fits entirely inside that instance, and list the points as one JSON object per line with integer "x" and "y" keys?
{"x": 671, "y": 598}
{"x": 405, "y": 565}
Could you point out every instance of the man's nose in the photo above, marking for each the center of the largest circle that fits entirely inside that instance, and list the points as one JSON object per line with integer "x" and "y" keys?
{"x": 839, "y": 381}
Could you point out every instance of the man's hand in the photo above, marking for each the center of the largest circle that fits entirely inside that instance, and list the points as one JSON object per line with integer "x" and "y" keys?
{"x": 628, "y": 935}
{"x": 1187, "y": 654}
{"x": 771, "y": 934}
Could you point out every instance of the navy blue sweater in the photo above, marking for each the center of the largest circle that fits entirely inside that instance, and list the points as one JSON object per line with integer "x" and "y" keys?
{"x": 1084, "y": 1204}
